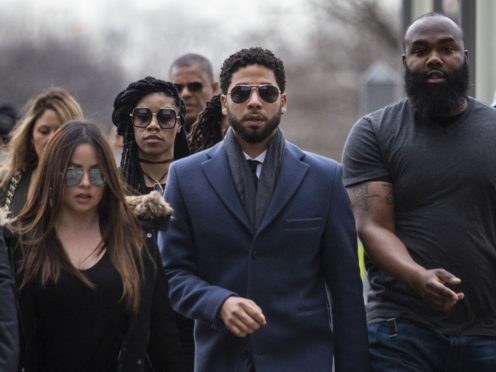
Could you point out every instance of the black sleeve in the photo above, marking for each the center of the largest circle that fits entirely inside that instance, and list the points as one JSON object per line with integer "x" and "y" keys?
{"x": 9, "y": 330}
{"x": 26, "y": 309}
{"x": 362, "y": 157}
{"x": 163, "y": 347}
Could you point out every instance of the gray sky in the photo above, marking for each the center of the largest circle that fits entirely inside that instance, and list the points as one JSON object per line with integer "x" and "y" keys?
{"x": 147, "y": 35}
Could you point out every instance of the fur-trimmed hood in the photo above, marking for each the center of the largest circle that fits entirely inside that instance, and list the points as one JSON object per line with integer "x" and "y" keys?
{"x": 148, "y": 207}
{"x": 151, "y": 209}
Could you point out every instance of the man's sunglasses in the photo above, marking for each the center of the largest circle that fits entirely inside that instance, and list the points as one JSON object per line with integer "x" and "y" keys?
{"x": 142, "y": 117}
{"x": 74, "y": 176}
{"x": 193, "y": 87}
{"x": 240, "y": 93}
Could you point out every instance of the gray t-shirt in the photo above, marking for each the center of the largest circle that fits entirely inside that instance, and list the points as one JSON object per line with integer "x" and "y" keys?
{"x": 444, "y": 184}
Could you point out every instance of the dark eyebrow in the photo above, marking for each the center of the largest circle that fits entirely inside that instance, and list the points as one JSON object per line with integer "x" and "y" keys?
{"x": 448, "y": 40}
{"x": 442, "y": 41}
{"x": 253, "y": 85}
{"x": 71, "y": 164}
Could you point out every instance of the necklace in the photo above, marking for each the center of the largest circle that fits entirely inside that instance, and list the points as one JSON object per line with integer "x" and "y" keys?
{"x": 156, "y": 183}
{"x": 156, "y": 162}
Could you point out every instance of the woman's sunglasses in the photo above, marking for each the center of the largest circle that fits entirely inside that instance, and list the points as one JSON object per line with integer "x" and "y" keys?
{"x": 142, "y": 117}
{"x": 74, "y": 176}
{"x": 240, "y": 93}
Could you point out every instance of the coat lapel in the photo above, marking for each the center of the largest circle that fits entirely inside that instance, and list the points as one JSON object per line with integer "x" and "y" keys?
{"x": 292, "y": 172}
{"x": 218, "y": 174}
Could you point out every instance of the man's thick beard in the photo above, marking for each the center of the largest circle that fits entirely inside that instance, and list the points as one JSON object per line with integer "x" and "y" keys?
{"x": 253, "y": 136}
{"x": 437, "y": 100}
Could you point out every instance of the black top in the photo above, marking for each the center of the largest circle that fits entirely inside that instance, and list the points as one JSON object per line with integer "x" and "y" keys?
{"x": 184, "y": 325}
{"x": 80, "y": 328}
{"x": 151, "y": 334}
{"x": 9, "y": 334}
{"x": 444, "y": 185}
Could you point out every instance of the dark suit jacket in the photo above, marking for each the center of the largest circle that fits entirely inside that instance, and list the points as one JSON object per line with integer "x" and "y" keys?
{"x": 305, "y": 246}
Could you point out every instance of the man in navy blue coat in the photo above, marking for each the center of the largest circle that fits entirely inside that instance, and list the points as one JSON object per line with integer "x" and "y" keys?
{"x": 262, "y": 241}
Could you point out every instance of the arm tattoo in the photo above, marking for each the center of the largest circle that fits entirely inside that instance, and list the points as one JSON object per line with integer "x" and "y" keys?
{"x": 388, "y": 188}
{"x": 360, "y": 196}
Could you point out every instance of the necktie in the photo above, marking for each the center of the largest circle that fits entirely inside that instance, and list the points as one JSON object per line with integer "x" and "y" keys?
{"x": 253, "y": 167}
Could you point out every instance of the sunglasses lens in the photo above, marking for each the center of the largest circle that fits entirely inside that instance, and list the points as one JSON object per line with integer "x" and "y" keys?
{"x": 268, "y": 93}
{"x": 73, "y": 176}
{"x": 141, "y": 117}
{"x": 195, "y": 87}
{"x": 166, "y": 118}
{"x": 240, "y": 93}
{"x": 96, "y": 178}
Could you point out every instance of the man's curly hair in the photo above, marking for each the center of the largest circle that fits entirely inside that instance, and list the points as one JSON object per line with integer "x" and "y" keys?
{"x": 124, "y": 104}
{"x": 248, "y": 57}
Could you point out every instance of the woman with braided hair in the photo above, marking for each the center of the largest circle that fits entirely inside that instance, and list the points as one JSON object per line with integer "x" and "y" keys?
{"x": 209, "y": 128}
{"x": 149, "y": 114}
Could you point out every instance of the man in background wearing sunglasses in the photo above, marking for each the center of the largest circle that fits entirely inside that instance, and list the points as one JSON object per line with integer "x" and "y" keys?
{"x": 261, "y": 238}
{"x": 193, "y": 76}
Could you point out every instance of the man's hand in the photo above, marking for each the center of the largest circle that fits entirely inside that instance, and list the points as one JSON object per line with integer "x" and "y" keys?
{"x": 241, "y": 316}
{"x": 432, "y": 287}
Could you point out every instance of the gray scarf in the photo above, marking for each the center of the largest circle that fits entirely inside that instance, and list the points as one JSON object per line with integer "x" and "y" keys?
{"x": 255, "y": 202}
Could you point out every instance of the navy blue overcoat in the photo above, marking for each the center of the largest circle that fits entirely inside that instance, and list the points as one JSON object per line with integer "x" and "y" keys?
{"x": 299, "y": 264}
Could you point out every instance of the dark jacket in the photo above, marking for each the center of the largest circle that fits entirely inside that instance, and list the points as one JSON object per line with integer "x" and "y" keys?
{"x": 151, "y": 226}
{"x": 9, "y": 335}
{"x": 14, "y": 195}
{"x": 163, "y": 347}
{"x": 302, "y": 255}
{"x": 151, "y": 341}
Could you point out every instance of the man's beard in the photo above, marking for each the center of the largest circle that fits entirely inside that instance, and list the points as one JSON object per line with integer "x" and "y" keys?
{"x": 250, "y": 135}
{"x": 437, "y": 100}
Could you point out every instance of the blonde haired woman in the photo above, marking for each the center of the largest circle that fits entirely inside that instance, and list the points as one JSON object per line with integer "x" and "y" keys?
{"x": 43, "y": 115}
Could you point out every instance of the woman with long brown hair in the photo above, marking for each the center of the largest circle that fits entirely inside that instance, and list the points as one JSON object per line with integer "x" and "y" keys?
{"x": 43, "y": 115}
{"x": 92, "y": 297}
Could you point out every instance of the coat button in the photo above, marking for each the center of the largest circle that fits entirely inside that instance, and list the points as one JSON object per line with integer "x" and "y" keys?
{"x": 148, "y": 235}
{"x": 254, "y": 253}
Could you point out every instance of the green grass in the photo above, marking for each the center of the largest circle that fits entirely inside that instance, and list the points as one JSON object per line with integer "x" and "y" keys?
{"x": 361, "y": 264}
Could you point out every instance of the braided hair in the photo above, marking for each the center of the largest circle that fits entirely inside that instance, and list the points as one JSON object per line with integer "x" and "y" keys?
{"x": 207, "y": 130}
{"x": 124, "y": 104}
